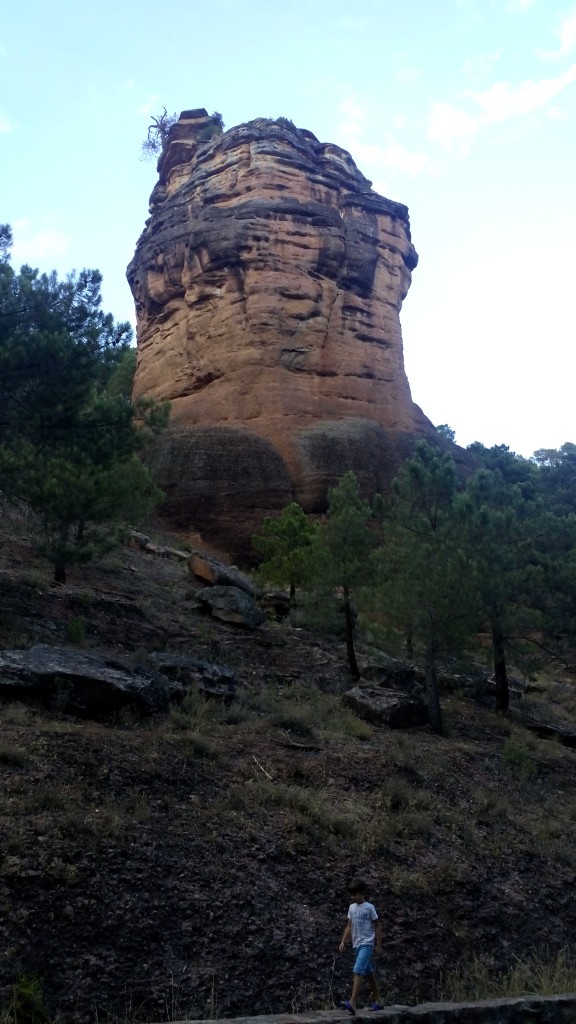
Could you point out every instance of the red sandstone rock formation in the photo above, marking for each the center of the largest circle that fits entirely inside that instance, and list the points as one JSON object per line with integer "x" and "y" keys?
{"x": 268, "y": 283}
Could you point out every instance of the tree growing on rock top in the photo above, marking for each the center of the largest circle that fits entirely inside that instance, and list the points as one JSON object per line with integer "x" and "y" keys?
{"x": 157, "y": 134}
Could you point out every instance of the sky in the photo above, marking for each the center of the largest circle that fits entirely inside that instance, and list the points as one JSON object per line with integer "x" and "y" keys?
{"x": 464, "y": 110}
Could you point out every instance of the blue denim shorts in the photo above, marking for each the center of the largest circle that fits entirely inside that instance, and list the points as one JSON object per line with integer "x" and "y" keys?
{"x": 363, "y": 963}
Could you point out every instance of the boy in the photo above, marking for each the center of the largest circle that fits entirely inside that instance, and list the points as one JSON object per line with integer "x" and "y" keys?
{"x": 363, "y": 927}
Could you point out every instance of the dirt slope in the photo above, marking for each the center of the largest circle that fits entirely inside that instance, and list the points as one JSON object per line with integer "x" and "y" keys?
{"x": 197, "y": 864}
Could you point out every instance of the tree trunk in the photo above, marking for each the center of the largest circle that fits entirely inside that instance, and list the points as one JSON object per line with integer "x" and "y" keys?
{"x": 349, "y": 620}
{"x": 500, "y": 673}
{"x": 60, "y": 554}
{"x": 59, "y": 569}
{"x": 292, "y": 592}
{"x": 433, "y": 700}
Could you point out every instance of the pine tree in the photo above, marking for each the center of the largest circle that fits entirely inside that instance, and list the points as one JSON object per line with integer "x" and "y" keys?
{"x": 287, "y": 545}
{"x": 345, "y": 545}
{"x": 426, "y": 581}
{"x": 68, "y": 445}
{"x": 504, "y": 524}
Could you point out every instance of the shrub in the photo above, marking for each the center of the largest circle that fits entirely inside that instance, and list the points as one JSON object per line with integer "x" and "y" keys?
{"x": 26, "y": 1004}
{"x": 12, "y": 755}
{"x": 76, "y": 630}
{"x": 517, "y": 756}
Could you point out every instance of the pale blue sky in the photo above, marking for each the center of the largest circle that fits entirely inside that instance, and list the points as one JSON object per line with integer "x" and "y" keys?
{"x": 462, "y": 109}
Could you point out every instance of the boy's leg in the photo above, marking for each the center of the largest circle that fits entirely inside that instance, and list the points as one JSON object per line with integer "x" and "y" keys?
{"x": 371, "y": 979}
{"x": 356, "y": 989}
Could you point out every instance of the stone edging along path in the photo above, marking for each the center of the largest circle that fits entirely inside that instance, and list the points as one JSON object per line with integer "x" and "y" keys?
{"x": 525, "y": 1010}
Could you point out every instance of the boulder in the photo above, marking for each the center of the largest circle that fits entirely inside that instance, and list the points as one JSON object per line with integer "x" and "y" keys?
{"x": 210, "y": 570}
{"x": 394, "y": 708}
{"x": 276, "y": 603}
{"x": 391, "y": 673}
{"x": 81, "y": 684}
{"x": 212, "y": 680}
{"x": 142, "y": 541}
{"x": 230, "y": 604}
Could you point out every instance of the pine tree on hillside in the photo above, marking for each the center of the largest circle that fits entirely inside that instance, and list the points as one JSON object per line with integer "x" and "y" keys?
{"x": 426, "y": 583}
{"x": 286, "y": 544}
{"x": 68, "y": 438}
{"x": 345, "y": 546}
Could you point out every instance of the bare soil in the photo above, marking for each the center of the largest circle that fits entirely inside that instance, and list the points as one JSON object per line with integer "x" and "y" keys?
{"x": 197, "y": 864}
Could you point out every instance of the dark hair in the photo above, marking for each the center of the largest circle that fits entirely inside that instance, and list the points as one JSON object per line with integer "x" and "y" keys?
{"x": 357, "y": 885}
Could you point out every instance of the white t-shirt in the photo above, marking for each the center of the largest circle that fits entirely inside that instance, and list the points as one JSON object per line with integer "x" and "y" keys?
{"x": 362, "y": 917}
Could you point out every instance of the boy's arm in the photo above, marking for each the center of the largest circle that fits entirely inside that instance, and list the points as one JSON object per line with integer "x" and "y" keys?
{"x": 378, "y": 936}
{"x": 345, "y": 937}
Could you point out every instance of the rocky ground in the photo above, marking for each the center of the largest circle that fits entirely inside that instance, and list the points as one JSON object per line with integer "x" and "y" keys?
{"x": 196, "y": 862}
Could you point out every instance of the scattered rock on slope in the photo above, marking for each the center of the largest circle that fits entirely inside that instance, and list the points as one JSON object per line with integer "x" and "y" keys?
{"x": 210, "y": 679}
{"x": 82, "y": 684}
{"x": 230, "y": 604}
{"x": 386, "y": 707}
{"x": 210, "y": 570}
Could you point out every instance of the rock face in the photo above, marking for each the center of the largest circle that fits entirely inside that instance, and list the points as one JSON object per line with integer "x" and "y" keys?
{"x": 268, "y": 284}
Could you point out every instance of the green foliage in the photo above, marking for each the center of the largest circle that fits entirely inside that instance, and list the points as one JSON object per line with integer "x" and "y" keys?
{"x": 76, "y": 630}
{"x": 121, "y": 379}
{"x": 446, "y": 432}
{"x": 286, "y": 122}
{"x": 427, "y": 583}
{"x": 213, "y": 128}
{"x": 69, "y": 435}
{"x": 26, "y": 1005}
{"x": 517, "y": 756}
{"x": 345, "y": 546}
{"x": 287, "y": 545}
{"x": 346, "y": 540}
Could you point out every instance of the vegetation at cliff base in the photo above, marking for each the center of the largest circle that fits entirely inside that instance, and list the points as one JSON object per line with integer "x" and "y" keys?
{"x": 448, "y": 560}
{"x": 69, "y": 432}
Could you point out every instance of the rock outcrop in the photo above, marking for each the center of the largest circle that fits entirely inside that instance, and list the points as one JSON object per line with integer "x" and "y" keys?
{"x": 87, "y": 685}
{"x": 268, "y": 284}
{"x": 394, "y": 708}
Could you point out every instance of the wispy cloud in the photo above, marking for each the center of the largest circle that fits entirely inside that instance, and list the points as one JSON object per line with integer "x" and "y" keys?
{"x": 44, "y": 246}
{"x": 7, "y": 125}
{"x": 519, "y": 6}
{"x": 406, "y": 76}
{"x": 377, "y": 159}
{"x": 477, "y": 9}
{"x": 351, "y": 23}
{"x": 454, "y": 128}
{"x": 150, "y": 105}
{"x": 566, "y": 39}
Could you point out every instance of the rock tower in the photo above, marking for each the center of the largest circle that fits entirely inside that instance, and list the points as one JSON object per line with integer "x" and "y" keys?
{"x": 268, "y": 284}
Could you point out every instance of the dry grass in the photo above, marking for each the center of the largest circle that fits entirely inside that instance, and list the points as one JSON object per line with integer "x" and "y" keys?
{"x": 477, "y": 978}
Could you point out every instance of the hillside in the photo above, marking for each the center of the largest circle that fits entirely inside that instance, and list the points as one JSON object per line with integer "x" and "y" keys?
{"x": 196, "y": 863}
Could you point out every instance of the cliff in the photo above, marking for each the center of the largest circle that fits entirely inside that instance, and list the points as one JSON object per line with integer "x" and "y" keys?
{"x": 268, "y": 284}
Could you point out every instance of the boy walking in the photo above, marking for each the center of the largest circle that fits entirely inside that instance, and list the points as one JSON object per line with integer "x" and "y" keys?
{"x": 364, "y": 930}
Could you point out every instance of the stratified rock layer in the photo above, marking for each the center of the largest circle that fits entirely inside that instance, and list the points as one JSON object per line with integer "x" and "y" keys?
{"x": 268, "y": 284}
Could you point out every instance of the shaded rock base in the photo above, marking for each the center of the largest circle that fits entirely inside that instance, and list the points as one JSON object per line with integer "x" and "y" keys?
{"x": 536, "y": 1009}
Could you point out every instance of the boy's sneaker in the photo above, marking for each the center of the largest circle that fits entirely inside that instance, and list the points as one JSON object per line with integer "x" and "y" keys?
{"x": 376, "y": 1006}
{"x": 348, "y": 1006}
